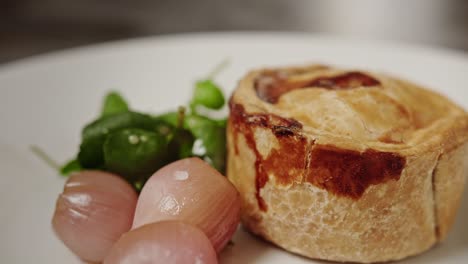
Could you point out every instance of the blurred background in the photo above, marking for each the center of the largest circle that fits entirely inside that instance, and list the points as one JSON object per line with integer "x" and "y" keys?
{"x": 29, "y": 27}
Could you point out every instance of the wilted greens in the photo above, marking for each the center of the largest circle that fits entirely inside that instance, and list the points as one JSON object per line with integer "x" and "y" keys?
{"x": 134, "y": 145}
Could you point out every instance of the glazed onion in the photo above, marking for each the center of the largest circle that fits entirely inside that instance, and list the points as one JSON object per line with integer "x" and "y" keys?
{"x": 192, "y": 191}
{"x": 163, "y": 242}
{"x": 93, "y": 211}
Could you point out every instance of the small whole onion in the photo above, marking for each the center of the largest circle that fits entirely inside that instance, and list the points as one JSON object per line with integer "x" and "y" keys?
{"x": 163, "y": 242}
{"x": 93, "y": 211}
{"x": 192, "y": 191}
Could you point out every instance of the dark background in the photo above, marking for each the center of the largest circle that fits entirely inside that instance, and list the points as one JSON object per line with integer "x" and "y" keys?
{"x": 29, "y": 27}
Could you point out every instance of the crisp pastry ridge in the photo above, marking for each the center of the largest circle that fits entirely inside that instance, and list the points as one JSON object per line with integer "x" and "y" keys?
{"x": 345, "y": 165}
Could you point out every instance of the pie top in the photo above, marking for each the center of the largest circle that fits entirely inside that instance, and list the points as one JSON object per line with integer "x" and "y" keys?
{"x": 355, "y": 110}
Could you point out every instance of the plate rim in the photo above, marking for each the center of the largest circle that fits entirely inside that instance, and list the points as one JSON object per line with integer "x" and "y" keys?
{"x": 98, "y": 47}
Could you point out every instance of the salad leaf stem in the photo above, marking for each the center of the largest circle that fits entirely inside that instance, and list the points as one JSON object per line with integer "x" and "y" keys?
{"x": 41, "y": 154}
{"x": 180, "y": 117}
{"x": 218, "y": 68}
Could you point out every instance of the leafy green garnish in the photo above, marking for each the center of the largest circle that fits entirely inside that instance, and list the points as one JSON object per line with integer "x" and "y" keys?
{"x": 169, "y": 117}
{"x": 135, "y": 153}
{"x": 91, "y": 155}
{"x": 106, "y": 124}
{"x": 210, "y": 143}
{"x": 134, "y": 145}
{"x": 114, "y": 103}
{"x": 70, "y": 167}
{"x": 208, "y": 94}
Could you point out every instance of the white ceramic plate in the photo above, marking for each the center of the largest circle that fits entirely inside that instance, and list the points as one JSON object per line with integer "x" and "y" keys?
{"x": 46, "y": 100}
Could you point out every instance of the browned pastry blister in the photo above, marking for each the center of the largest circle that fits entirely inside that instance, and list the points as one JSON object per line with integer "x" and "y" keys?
{"x": 346, "y": 165}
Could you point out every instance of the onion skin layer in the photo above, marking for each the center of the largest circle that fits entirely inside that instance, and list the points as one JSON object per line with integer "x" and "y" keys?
{"x": 93, "y": 211}
{"x": 192, "y": 191}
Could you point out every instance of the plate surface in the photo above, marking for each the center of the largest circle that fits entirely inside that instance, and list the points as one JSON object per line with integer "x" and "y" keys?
{"x": 46, "y": 100}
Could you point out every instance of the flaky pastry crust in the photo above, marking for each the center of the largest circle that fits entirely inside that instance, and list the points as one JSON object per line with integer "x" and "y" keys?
{"x": 345, "y": 165}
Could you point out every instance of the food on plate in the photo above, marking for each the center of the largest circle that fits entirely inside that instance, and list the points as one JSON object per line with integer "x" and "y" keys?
{"x": 93, "y": 211}
{"x": 192, "y": 191}
{"x": 345, "y": 165}
{"x": 134, "y": 145}
{"x": 167, "y": 242}
{"x": 96, "y": 208}
{"x": 118, "y": 153}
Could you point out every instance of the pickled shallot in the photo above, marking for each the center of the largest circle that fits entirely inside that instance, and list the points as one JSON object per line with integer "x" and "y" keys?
{"x": 186, "y": 204}
{"x": 191, "y": 190}
{"x": 172, "y": 242}
{"x": 93, "y": 211}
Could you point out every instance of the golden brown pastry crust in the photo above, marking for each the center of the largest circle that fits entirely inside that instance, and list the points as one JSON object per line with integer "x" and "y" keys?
{"x": 345, "y": 165}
